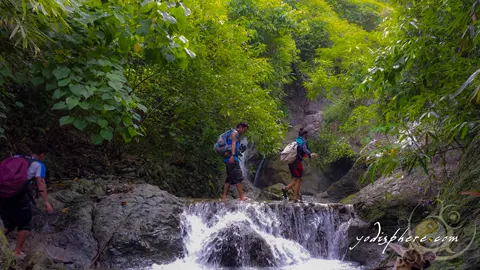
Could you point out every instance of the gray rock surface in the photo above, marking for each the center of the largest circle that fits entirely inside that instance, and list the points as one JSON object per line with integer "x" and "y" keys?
{"x": 239, "y": 245}
{"x": 139, "y": 227}
{"x": 393, "y": 200}
{"x": 112, "y": 224}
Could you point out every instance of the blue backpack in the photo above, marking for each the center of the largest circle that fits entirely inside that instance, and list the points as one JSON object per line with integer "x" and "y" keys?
{"x": 221, "y": 147}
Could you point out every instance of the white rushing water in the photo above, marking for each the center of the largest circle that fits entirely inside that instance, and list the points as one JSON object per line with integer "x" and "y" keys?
{"x": 238, "y": 235}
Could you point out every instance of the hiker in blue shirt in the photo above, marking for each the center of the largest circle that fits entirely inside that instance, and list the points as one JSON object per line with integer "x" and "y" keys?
{"x": 15, "y": 197}
{"x": 296, "y": 167}
{"x": 232, "y": 163}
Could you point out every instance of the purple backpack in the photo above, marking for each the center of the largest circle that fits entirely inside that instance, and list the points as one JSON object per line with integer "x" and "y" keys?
{"x": 13, "y": 175}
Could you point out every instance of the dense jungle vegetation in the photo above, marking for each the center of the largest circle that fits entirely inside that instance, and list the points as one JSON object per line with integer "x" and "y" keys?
{"x": 162, "y": 79}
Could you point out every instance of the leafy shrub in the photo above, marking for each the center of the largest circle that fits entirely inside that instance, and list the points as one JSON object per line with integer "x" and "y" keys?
{"x": 330, "y": 149}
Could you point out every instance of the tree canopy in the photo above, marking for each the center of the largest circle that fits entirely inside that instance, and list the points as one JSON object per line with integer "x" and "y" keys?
{"x": 173, "y": 75}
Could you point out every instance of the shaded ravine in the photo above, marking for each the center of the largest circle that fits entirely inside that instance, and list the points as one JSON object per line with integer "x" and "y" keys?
{"x": 268, "y": 235}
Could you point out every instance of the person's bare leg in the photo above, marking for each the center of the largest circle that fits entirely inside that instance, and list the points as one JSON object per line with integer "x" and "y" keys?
{"x": 296, "y": 189}
{"x": 290, "y": 185}
{"x": 225, "y": 190}
{"x": 240, "y": 192}
{"x": 21, "y": 238}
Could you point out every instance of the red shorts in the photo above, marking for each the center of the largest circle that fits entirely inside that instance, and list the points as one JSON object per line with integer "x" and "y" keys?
{"x": 296, "y": 169}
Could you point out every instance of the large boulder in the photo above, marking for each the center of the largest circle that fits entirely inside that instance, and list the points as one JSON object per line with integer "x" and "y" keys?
{"x": 347, "y": 185}
{"x": 273, "y": 192}
{"x": 467, "y": 209}
{"x": 138, "y": 228}
{"x": 392, "y": 201}
{"x": 238, "y": 245}
{"x": 107, "y": 224}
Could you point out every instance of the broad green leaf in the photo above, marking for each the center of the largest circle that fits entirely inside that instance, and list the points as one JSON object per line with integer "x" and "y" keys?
{"x": 65, "y": 120}
{"x": 2, "y": 115}
{"x": 51, "y": 86}
{"x": 61, "y": 73}
{"x": 168, "y": 18}
{"x": 102, "y": 122}
{"x": 64, "y": 82}
{"x": 116, "y": 119}
{"x": 37, "y": 80}
{"x": 132, "y": 131}
{"x": 147, "y": 6}
{"x": 91, "y": 118}
{"x": 77, "y": 89}
{"x": 126, "y": 137}
{"x": 109, "y": 107}
{"x": 60, "y": 105}
{"x": 47, "y": 73}
{"x": 103, "y": 62}
{"x": 115, "y": 85}
{"x": 106, "y": 96}
{"x": 58, "y": 94}
{"x": 84, "y": 105}
{"x": 96, "y": 139}
{"x": 144, "y": 27}
{"x": 124, "y": 42}
{"x": 80, "y": 123}
{"x": 5, "y": 71}
{"x": 107, "y": 133}
{"x": 71, "y": 102}
{"x": 19, "y": 104}
{"x": 183, "y": 63}
{"x": 116, "y": 77}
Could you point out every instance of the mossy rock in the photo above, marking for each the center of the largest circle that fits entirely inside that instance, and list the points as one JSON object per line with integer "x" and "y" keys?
{"x": 7, "y": 258}
{"x": 349, "y": 199}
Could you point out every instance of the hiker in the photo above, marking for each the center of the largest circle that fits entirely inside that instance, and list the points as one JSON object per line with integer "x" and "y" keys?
{"x": 296, "y": 167}
{"x": 15, "y": 193}
{"x": 232, "y": 163}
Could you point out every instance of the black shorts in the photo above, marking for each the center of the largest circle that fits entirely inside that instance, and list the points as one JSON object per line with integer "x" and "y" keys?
{"x": 234, "y": 173}
{"x": 16, "y": 212}
{"x": 296, "y": 169}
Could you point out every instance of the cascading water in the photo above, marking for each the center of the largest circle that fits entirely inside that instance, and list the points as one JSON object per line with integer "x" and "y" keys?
{"x": 273, "y": 235}
{"x": 246, "y": 155}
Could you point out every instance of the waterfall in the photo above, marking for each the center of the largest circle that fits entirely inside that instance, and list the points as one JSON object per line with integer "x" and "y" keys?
{"x": 246, "y": 155}
{"x": 271, "y": 235}
{"x": 258, "y": 172}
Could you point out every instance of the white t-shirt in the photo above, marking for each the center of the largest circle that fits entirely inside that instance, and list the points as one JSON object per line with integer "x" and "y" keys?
{"x": 37, "y": 168}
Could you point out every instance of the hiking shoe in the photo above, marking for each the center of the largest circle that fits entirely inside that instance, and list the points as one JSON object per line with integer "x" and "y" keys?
{"x": 284, "y": 193}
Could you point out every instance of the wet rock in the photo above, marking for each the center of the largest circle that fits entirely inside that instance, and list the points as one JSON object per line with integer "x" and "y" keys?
{"x": 139, "y": 228}
{"x": 239, "y": 245}
{"x": 391, "y": 201}
{"x": 348, "y": 184}
{"x": 273, "y": 192}
{"x": 136, "y": 226}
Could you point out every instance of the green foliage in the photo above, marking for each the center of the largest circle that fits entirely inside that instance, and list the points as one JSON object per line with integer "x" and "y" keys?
{"x": 330, "y": 149}
{"x": 425, "y": 81}
{"x": 361, "y": 121}
{"x": 271, "y": 25}
{"x": 85, "y": 47}
{"x": 340, "y": 67}
{"x": 361, "y": 12}
{"x": 336, "y": 112}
